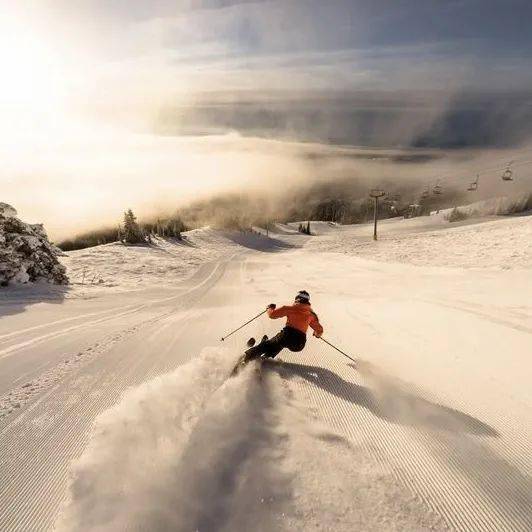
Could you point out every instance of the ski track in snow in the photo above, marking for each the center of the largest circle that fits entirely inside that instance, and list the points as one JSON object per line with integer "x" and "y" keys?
{"x": 17, "y": 397}
{"x": 55, "y": 427}
{"x": 430, "y": 431}
{"x": 442, "y": 454}
{"x": 203, "y": 452}
{"x": 198, "y": 452}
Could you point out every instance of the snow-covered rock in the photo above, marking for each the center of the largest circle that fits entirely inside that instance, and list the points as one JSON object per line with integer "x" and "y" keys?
{"x": 26, "y": 255}
{"x": 7, "y": 211}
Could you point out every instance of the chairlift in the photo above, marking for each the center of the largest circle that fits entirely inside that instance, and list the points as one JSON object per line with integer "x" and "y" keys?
{"x": 473, "y": 186}
{"x": 508, "y": 175}
{"x": 437, "y": 189}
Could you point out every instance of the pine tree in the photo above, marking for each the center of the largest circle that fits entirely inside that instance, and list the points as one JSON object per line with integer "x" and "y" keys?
{"x": 176, "y": 233}
{"x": 132, "y": 233}
{"x": 307, "y": 231}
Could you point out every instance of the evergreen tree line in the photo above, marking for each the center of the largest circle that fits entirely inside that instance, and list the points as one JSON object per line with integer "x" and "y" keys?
{"x": 341, "y": 201}
{"x": 130, "y": 231}
{"x": 133, "y": 232}
{"x": 237, "y": 212}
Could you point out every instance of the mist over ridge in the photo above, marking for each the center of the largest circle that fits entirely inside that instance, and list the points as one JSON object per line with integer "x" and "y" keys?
{"x": 157, "y": 107}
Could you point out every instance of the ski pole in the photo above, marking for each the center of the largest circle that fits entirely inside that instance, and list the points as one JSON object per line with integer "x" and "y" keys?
{"x": 339, "y": 350}
{"x": 232, "y": 332}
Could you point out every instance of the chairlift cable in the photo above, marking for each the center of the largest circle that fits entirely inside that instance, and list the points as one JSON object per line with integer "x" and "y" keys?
{"x": 489, "y": 170}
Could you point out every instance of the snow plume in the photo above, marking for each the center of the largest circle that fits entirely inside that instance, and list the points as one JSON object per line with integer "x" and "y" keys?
{"x": 185, "y": 451}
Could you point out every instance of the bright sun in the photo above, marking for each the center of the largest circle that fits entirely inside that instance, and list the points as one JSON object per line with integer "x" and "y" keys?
{"x": 32, "y": 77}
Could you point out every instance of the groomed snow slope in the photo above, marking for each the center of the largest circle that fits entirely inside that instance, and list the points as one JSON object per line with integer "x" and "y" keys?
{"x": 430, "y": 430}
{"x": 502, "y": 243}
{"x": 164, "y": 262}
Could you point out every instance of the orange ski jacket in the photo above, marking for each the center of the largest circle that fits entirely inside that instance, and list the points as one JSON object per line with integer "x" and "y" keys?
{"x": 299, "y": 316}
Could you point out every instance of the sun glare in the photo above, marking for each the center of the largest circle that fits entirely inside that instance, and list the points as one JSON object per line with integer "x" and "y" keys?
{"x": 32, "y": 77}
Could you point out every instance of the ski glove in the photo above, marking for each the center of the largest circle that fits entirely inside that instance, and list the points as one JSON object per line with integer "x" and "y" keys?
{"x": 271, "y": 305}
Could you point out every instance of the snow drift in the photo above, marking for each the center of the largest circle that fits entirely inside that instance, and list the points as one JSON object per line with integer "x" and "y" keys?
{"x": 185, "y": 451}
{"x": 26, "y": 255}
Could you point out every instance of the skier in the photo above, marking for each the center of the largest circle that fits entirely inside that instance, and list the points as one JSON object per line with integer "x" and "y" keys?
{"x": 294, "y": 335}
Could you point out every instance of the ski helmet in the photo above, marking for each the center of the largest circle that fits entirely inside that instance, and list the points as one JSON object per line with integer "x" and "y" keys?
{"x": 303, "y": 296}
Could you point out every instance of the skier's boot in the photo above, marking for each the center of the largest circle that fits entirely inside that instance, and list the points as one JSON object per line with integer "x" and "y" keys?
{"x": 245, "y": 358}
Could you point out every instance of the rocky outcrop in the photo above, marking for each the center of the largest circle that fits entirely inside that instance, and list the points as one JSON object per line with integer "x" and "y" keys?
{"x": 26, "y": 255}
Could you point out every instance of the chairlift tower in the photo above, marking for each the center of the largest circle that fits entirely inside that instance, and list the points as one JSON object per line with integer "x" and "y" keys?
{"x": 376, "y": 193}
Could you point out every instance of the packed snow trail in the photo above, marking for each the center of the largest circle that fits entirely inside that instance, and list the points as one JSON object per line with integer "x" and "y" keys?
{"x": 431, "y": 431}
{"x": 76, "y": 340}
{"x": 55, "y": 423}
{"x": 193, "y": 450}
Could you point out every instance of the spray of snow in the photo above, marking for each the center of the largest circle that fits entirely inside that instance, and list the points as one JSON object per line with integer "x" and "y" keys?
{"x": 185, "y": 451}
{"x": 193, "y": 451}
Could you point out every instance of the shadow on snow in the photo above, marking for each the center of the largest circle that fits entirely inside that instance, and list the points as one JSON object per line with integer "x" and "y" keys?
{"x": 389, "y": 401}
{"x": 15, "y": 299}
{"x": 258, "y": 242}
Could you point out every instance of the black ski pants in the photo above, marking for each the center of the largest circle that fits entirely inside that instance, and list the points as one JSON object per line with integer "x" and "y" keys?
{"x": 289, "y": 337}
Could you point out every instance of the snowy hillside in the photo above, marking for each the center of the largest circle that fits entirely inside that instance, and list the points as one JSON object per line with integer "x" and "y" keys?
{"x": 164, "y": 262}
{"x": 502, "y": 243}
{"x": 116, "y": 411}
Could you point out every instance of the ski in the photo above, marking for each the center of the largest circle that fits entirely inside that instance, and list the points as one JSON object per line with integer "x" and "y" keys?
{"x": 247, "y": 357}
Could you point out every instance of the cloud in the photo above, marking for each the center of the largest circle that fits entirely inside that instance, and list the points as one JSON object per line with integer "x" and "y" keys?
{"x": 152, "y": 105}
{"x": 381, "y": 119}
{"x": 85, "y": 178}
{"x": 171, "y": 52}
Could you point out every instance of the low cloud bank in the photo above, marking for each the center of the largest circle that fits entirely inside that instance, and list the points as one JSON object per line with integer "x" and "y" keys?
{"x": 386, "y": 119}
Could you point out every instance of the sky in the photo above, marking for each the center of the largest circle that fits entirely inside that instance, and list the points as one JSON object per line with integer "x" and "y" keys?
{"x": 109, "y": 105}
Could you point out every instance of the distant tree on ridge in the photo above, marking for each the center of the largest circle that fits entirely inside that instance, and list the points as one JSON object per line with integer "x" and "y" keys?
{"x": 132, "y": 233}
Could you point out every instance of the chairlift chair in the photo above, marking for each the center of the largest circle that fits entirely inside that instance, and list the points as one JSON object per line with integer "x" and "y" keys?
{"x": 425, "y": 194}
{"x": 437, "y": 189}
{"x": 473, "y": 185}
{"x": 508, "y": 175}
